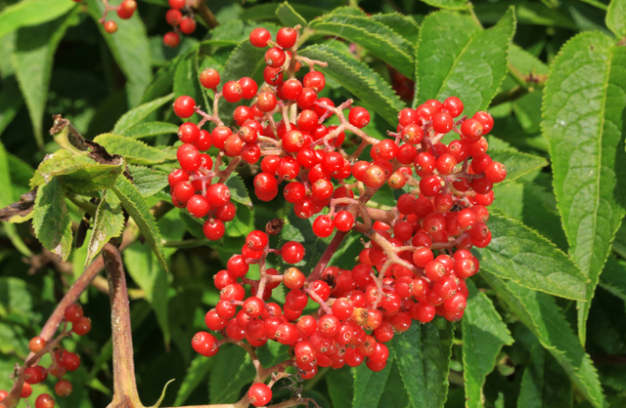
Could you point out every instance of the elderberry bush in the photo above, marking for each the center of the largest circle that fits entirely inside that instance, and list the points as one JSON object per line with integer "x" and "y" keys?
{"x": 277, "y": 204}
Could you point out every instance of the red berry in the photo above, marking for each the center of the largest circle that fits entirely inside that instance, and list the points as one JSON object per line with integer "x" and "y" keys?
{"x": 343, "y": 221}
{"x": 187, "y": 25}
{"x": 266, "y": 101}
{"x": 177, "y": 4}
{"x": 184, "y": 106}
{"x": 209, "y": 78}
{"x": 495, "y": 172}
{"x": 471, "y": 130}
{"x": 259, "y": 37}
{"x": 292, "y": 252}
{"x": 275, "y": 57}
{"x": 485, "y": 119}
{"x": 323, "y": 226}
{"x": 442, "y": 122}
{"x": 173, "y": 17}
{"x": 44, "y": 401}
{"x": 36, "y": 344}
{"x": 110, "y": 27}
{"x": 315, "y": 80}
{"x": 73, "y": 313}
{"x": 286, "y": 37}
{"x": 188, "y": 132}
{"x": 257, "y": 240}
{"x": 232, "y": 91}
{"x": 249, "y": 87}
{"x": 259, "y": 394}
{"x": 292, "y": 89}
{"x": 63, "y": 388}
{"x": 82, "y": 326}
{"x": 359, "y": 117}
{"x": 430, "y": 185}
{"x": 126, "y": 9}
{"x": 171, "y": 39}
{"x": 205, "y": 343}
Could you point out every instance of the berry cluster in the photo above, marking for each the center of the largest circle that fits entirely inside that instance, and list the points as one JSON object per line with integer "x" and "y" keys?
{"x": 414, "y": 265}
{"x": 181, "y": 18}
{"x": 125, "y": 10}
{"x": 62, "y": 360}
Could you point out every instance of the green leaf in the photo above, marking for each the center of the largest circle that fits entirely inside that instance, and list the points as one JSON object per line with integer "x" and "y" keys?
{"x": 406, "y": 26}
{"x": 149, "y": 129}
{"x": 134, "y": 116}
{"x": 242, "y": 224}
{"x": 32, "y": 59}
{"x": 31, "y": 12}
{"x": 522, "y": 255}
{"x": 340, "y": 386}
{"x": 233, "y": 369}
{"x": 380, "y": 40}
{"x": 196, "y": 373}
{"x": 288, "y": 16}
{"x": 149, "y": 274}
{"x": 360, "y": 80}
{"x": 540, "y": 313}
{"x": 10, "y": 101}
{"x": 517, "y": 163}
{"x": 186, "y": 81}
{"x": 423, "y": 355}
{"x": 534, "y": 13}
{"x": 299, "y": 230}
{"x": 130, "y": 48}
{"x": 455, "y": 57}
{"x": 134, "y": 151}
{"x": 369, "y": 385}
{"x": 613, "y": 277}
{"x": 108, "y": 223}
{"x": 51, "y": 220}
{"x": 583, "y": 109}
{"x": 268, "y": 12}
{"x": 616, "y": 18}
{"x": 6, "y": 192}
{"x": 238, "y": 191}
{"x": 484, "y": 334}
{"x": 138, "y": 209}
{"x": 449, "y": 4}
{"x": 148, "y": 181}
{"x": 544, "y": 383}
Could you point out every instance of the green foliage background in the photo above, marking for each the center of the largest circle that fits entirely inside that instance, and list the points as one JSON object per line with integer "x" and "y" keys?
{"x": 545, "y": 324}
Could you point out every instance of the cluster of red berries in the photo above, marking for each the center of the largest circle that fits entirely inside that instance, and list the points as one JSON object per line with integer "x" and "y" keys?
{"x": 181, "y": 23}
{"x": 125, "y": 10}
{"x": 62, "y": 361}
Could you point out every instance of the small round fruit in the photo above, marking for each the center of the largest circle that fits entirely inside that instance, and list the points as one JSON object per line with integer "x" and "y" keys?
{"x": 44, "y": 401}
{"x": 110, "y": 27}
{"x": 259, "y": 37}
{"x": 184, "y": 106}
{"x": 286, "y": 37}
{"x": 359, "y": 117}
{"x": 259, "y": 394}
{"x": 171, "y": 39}
{"x": 210, "y": 78}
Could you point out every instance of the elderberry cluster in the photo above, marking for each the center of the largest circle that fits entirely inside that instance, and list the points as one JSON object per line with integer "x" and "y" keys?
{"x": 125, "y": 10}
{"x": 62, "y": 360}
{"x": 181, "y": 18}
{"x": 416, "y": 255}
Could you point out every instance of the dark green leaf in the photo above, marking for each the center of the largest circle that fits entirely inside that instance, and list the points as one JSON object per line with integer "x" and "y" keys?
{"x": 6, "y": 192}
{"x": 130, "y": 48}
{"x": 288, "y": 16}
{"x": 360, "y": 80}
{"x": 51, "y": 220}
{"x": 525, "y": 62}
{"x": 583, "y": 110}
{"x": 238, "y": 191}
{"x": 455, "y": 57}
{"x": 134, "y": 116}
{"x": 404, "y": 25}
{"x": 517, "y": 163}
{"x": 423, "y": 356}
{"x": 233, "y": 369}
{"x": 268, "y": 11}
{"x": 540, "y": 313}
{"x": 32, "y": 58}
{"x": 148, "y": 181}
{"x": 522, "y": 255}
{"x": 134, "y": 203}
{"x": 340, "y": 386}
{"x": 197, "y": 372}
{"x": 10, "y": 101}
{"x": 31, "y": 12}
{"x": 616, "y": 18}
{"x": 108, "y": 223}
{"x": 484, "y": 334}
{"x": 613, "y": 277}
{"x": 527, "y": 13}
{"x": 369, "y": 385}
{"x": 449, "y": 4}
{"x": 186, "y": 81}
{"x": 134, "y": 151}
{"x": 243, "y": 223}
{"x": 149, "y": 129}
{"x": 299, "y": 230}
{"x": 376, "y": 37}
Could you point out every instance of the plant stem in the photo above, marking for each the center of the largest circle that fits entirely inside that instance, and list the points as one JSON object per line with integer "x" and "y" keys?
{"x": 205, "y": 13}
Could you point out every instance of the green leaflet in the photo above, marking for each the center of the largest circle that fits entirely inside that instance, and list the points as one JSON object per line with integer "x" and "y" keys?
{"x": 150, "y": 129}
{"x": 31, "y": 12}
{"x": 522, "y": 255}
{"x": 186, "y": 81}
{"x": 613, "y": 277}
{"x": 540, "y": 313}
{"x": 376, "y": 37}
{"x": 288, "y": 16}
{"x": 455, "y": 57}
{"x": 108, "y": 223}
{"x": 148, "y": 181}
{"x": 6, "y": 192}
{"x": 517, "y": 163}
{"x": 10, "y": 101}
{"x": 134, "y": 116}
{"x": 404, "y": 25}
{"x": 449, "y": 4}
{"x": 484, "y": 334}
{"x": 51, "y": 220}
{"x": 360, "y": 80}
{"x": 423, "y": 356}
{"x": 136, "y": 206}
{"x": 196, "y": 373}
{"x": 340, "y": 386}
{"x": 134, "y": 151}
{"x": 583, "y": 106}
{"x": 32, "y": 59}
{"x": 130, "y": 48}
{"x": 616, "y": 18}
{"x": 299, "y": 230}
{"x": 232, "y": 370}
{"x": 238, "y": 191}
{"x": 369, "y": 386}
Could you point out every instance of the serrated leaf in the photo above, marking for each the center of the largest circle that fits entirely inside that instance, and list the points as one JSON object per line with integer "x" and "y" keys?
{"x": 340, "y": 386}
{"x": 616, "y": 18}
{"x": 10, "y": 101}
{"x": 186, "y": 81}
{"x": 134, "y": 151}
{"x": 613, "y": 277}
{"x": 517, "y": 163}
{"x": 32, "y": 59}
{"x": 233, "y": 369}
{"x": 369, "y": 385}
{"x": 484, "y": 334}
{"x": 238, "y": 191}
{"x": 31, "y": 12}
{"x": 288, "y": 16}
{"x": 534, "y": 13}
{"x": 406, "y": 26}
{"x": 108, "y": 223}
{"x": 130, "y": 48}
{"x": 540, "y": 313}
{"x": 449, "y": 4}
{"x": 525, "y": 62}
{"x": 150, "y": 275}
{"x": 242, "y": 224}
{"x": 196, "y": 373}
{"x": 380, "y": 40}
{"x": 360, "y": 80}
{"x": 423, "y": 355}
{"x": 138, "y": 209}
{"x": 268, "y": 12}
{"x": 522, "y": 255}
{"x": 544, "y": 383}
{"x": 583, "y": 106}
{"x": 455, "y": 57}
{"x": 51, "y": 220}
{"x": 150, "y": 129}
{"x": 134, "y": 116}
{"x": 148, "y": 181}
